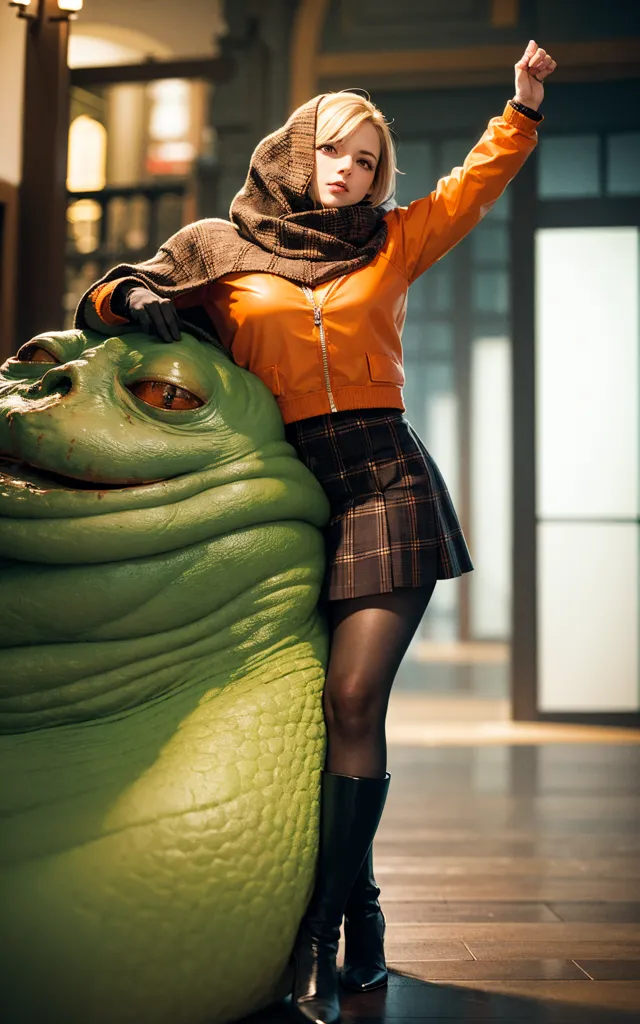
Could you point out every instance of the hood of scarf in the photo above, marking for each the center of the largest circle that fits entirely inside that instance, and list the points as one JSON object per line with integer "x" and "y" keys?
{"x": 273, "y": 209}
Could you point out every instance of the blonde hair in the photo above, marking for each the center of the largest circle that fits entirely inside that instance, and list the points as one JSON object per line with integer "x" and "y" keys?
{"x": 339, "y": 114}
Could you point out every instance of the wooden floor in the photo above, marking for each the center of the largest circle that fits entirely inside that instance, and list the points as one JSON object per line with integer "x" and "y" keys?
{"x": 510, "y": 879}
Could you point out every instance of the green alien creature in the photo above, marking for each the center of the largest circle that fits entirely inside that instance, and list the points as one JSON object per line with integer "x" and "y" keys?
{"x": 162, "y": 668}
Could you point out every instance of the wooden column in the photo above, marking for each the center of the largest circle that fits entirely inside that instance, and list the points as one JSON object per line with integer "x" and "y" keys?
{"x": 42, "y": 230}
{"x": 8, "y": 267}
{"x": 524, "y": 579}
{"x": 306, "y": 44}
{"x": 462, "y": 321}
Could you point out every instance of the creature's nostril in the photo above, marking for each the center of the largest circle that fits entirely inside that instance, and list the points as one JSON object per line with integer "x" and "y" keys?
{"x": 55, "y": 384}
{"x": 63, "y": 385}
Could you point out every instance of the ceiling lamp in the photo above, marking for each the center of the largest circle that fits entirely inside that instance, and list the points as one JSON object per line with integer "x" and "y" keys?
{"x": 22, "y": 6}
{"x": 68, "y": 9}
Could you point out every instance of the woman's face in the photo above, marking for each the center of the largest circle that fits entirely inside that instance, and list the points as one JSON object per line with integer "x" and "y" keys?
{"x": 344, "y": 171}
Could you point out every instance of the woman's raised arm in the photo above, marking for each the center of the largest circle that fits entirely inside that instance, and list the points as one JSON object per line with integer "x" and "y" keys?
{"x": 432, "y": 226}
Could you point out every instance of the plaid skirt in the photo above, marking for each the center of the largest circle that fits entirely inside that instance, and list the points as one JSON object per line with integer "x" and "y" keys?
{"x": 392, "y": 522}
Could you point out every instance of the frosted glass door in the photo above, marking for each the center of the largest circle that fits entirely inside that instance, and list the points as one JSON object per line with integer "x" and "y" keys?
{"x": 587, "y": 467}
{"x": 491, "y": 442}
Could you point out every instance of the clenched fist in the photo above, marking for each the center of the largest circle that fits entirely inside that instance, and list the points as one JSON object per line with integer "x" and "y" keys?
{"x": 531, "y": 70}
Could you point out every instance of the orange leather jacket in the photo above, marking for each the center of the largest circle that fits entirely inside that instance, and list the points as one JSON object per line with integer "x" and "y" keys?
{"x": 338, "y": 346}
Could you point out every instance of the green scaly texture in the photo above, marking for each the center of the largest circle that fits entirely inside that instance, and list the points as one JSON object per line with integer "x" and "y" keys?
{"x": 160, "y": 697}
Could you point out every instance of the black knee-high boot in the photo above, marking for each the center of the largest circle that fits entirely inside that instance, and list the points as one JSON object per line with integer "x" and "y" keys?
{"x": 364, "y": 963}
{"x": 350, "y": 813}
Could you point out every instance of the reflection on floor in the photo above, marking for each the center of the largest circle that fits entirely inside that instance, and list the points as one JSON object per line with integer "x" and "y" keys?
{"x": 509, "y": 863}
{"x": 457, "y": 670}
{"x": 416, "y": 719}
{"x": 458, "y": 694}
{"x": 460, "y": 652}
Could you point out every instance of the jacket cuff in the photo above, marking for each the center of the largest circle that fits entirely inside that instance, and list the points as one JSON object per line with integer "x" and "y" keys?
{"x": 526, "y": 124}
{"x": 100, "y": 298}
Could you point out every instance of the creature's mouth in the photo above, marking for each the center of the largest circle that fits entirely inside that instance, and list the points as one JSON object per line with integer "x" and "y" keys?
{"x": 24, "y": 475}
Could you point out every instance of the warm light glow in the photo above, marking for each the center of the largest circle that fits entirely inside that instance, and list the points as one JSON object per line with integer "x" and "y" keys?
{"x": 170, "y": 149}
{"x": 70, "y": 5}
{"x": 20, "y": 3}
{"x": 84, "y": 223}
{"x": 87, "y": 155}
{"x": 86, "y": 51}
{"x": 170, "y": 111}
{"x": 95, "y": 44}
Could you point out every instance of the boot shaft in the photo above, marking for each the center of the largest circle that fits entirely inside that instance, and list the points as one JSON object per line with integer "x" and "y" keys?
{"x": 350, "y": 813}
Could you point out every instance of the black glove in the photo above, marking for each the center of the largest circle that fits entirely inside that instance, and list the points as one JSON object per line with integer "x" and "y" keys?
{"x": 153, "y": 314}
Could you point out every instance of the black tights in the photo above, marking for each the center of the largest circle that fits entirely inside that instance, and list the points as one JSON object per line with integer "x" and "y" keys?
{"x": 369, "y": 637}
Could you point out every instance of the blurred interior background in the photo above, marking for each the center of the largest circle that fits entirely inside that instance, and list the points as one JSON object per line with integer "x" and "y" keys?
{"x": 521, "y": 345}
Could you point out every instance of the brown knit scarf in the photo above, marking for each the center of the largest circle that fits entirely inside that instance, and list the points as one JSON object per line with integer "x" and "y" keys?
{"x": 274, "y": 227}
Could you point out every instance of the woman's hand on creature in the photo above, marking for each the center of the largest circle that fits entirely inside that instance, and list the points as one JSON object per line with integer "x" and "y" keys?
{"x": 531, "y": 70}
{"x": 153, "y": 314}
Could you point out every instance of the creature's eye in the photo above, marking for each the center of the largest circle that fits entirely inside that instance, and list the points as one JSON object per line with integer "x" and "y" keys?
{"x": 34, "y": 353}
{"x": 161, "y": 395}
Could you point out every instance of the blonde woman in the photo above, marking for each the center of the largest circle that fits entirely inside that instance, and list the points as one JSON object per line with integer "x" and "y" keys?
{"x": 307, "y": 287}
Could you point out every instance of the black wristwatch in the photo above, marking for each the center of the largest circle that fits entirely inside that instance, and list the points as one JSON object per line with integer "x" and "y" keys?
{"x": 535, "y": 115}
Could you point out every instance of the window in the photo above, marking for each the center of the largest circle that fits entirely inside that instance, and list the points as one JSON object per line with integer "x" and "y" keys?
{"x": 569, "y": 167}
{"x": 623, "y": 164}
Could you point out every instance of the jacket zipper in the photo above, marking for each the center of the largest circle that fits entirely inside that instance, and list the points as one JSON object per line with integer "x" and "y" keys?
{"x": 319, "y": 323}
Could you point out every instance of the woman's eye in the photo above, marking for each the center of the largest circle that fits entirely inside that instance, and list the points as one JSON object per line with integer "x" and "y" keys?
{"x": 161, "y": 395}
{"x": 35, "y": 354}
{"x": 328, "y": 148}
{"x": 367, "y": 166}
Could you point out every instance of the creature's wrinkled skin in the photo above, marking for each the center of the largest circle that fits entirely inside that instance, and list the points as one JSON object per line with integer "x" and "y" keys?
{"x": 162, "y": 669}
